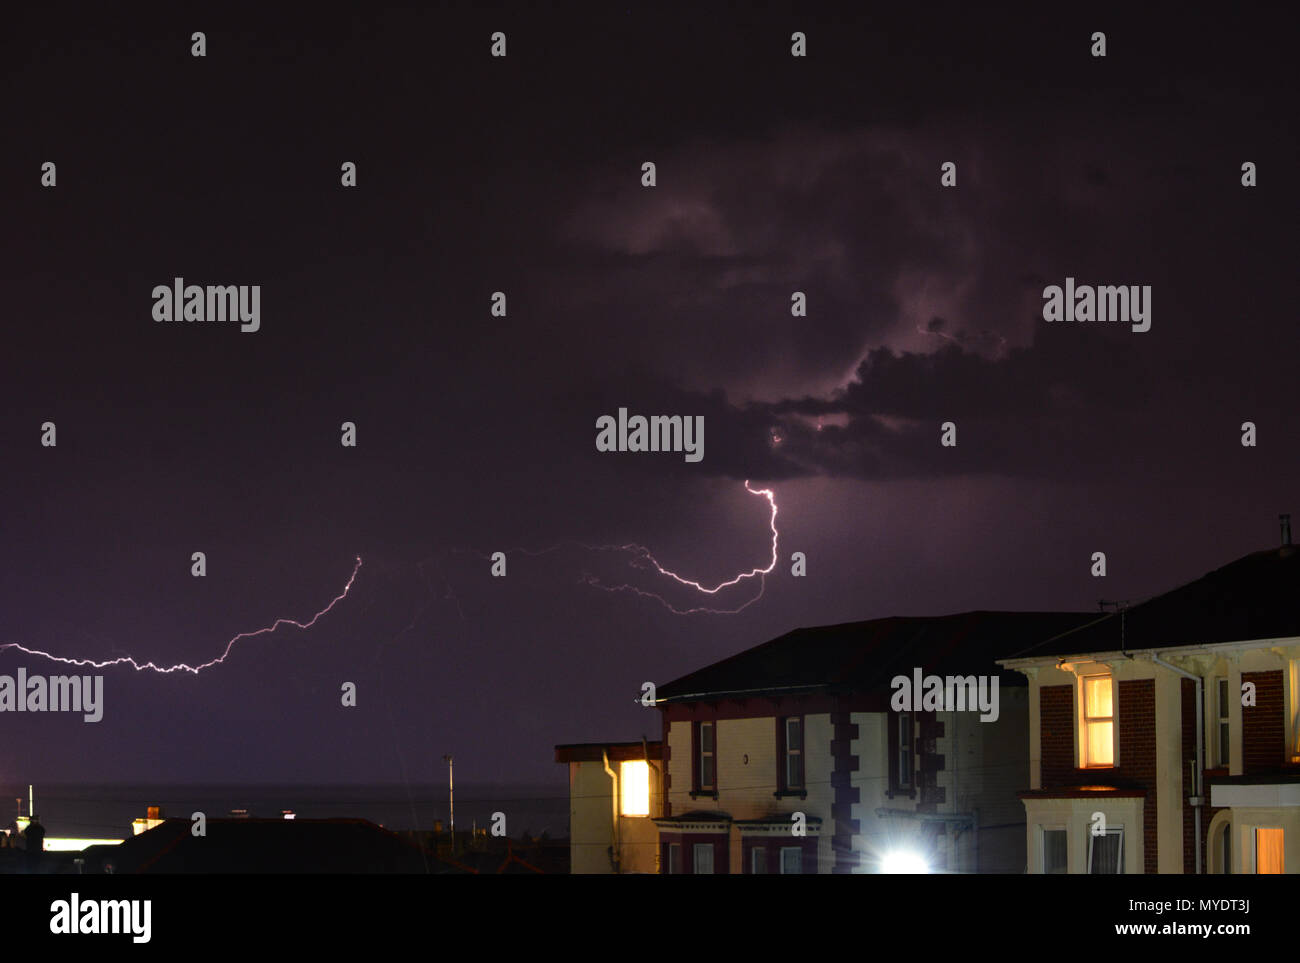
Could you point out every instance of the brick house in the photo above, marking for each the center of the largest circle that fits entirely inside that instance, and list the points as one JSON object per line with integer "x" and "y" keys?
{"x": 791, "y": 758}
{"x": 1176, "y": 721}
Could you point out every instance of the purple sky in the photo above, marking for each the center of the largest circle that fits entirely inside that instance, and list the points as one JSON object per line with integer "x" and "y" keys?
{"x": 477, "y": 433}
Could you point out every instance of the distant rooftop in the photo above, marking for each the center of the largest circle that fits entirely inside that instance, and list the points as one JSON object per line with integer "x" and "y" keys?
{"x": 268, "y": 846}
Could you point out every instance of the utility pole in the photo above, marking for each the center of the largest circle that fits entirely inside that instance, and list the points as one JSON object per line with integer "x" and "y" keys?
{"x": 451, "y": 799}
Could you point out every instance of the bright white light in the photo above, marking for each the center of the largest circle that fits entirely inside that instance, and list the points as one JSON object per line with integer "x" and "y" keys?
{"x": 903, "y": 861}
{"x": 635, "y": 779}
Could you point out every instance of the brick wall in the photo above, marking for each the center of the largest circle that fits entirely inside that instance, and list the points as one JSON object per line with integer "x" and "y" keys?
{"x": 1263, "y": 725}
{"x": 1137, "y": 755}
{"x": 1056, "y": 717}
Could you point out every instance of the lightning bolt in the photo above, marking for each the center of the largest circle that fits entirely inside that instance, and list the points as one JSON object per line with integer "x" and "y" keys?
{"x": 181, "y": 666}
{"x": 642, "y": 557}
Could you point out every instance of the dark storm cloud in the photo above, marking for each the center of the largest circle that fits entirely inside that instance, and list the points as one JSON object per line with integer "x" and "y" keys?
{"x": 925, "y": 305}
{"x": 886, "y": 422}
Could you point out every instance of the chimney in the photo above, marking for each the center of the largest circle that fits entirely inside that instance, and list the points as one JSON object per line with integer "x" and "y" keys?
{"x": 1286, "y": 530}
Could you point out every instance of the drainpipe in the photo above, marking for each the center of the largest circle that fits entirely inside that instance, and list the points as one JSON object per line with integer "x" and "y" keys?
{"x": 654, "y": 781}
{"x": 1197, "y": 800}
{"x": 615, "y": 851}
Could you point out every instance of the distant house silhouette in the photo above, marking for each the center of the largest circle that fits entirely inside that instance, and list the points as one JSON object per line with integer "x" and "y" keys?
{"x": 266, "y": 846}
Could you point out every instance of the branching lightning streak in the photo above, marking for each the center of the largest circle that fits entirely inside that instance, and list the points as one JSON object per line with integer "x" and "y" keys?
{"x": 642, "y": 557}
{"x": 182, "y": 667}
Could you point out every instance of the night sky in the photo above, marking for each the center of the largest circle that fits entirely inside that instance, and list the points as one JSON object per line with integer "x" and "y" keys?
{"x": 476, "y": 433}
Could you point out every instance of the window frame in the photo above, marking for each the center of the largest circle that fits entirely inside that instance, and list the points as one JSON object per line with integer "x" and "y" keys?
{"x": 696, "y": 850}
{"x": 1223, "y": 723}
{"x": 784, "y": 753}
{"x": 1119, "y": 855}
{"x": 1042, "y": 848}
{"x": 698, "y": 786}
{"x": 903, "y": 757}
{"x": 1086, "y": 721}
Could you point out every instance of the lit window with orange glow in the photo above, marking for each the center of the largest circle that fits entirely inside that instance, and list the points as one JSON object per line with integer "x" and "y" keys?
{"x": 1269, "y": 851}
{"x": 1098, "y": 721}
{"x": 634, "y": 778}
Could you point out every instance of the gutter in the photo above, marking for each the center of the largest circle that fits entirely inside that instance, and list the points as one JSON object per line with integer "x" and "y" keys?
{"x": 615, "y": 850}
{"x": 722, "y": 694}
{"x": 1203, "y": 648}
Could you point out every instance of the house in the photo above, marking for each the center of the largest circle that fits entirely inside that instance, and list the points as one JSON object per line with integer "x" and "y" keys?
{"x": 802, "y": 755}
{"x": 614, "y": 790}
{"x": 1164, "y": 737}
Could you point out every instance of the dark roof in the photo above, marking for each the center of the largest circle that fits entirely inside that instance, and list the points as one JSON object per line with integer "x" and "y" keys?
{"x": 861, "y": 657}
{"x": 269, "y": 846}
{"x": 617, "y": 751}
{"x": 1254, "y": 597}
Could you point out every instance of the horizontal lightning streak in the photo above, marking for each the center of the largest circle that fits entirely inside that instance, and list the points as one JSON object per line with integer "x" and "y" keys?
{"x": 182, "y": 667}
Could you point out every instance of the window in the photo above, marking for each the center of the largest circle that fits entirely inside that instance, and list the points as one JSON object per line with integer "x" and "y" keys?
{"x": 1268, "y": 850}
{"x": 904, "y": 751}
{"x": 1106, "y": 852}
{"x": 1098, "y": 721}
{"x": 706, "y": 757}
{"x": 703, "y": 859}
{"x": 1055, "y": 851}
{"x": 758, "y": 861}
{"x": 634, "y": 785}
{"x": 674, "y": 858}
{"x": 791, "y": 860}
{"x": 1224, "y": 741}
{"x": 794, "y": 752}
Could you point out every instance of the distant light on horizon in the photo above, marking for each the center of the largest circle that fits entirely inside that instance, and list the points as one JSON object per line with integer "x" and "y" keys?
{"x": 69, "y": 844}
